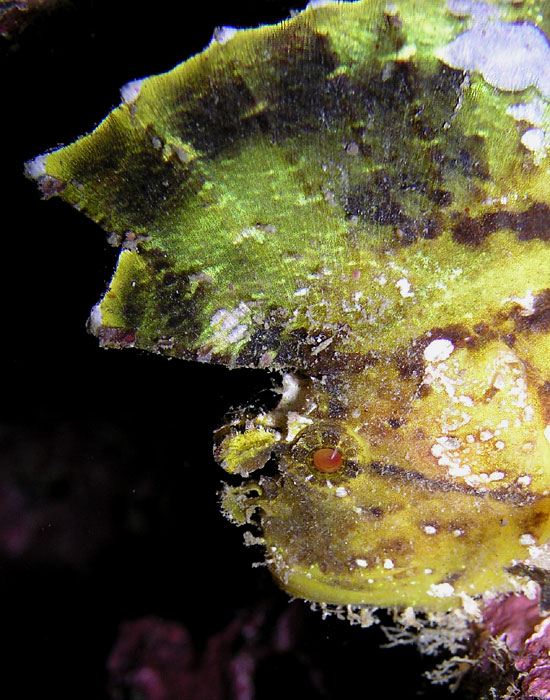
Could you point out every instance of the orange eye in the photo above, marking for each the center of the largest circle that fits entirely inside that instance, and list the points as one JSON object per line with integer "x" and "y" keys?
{"x": 327, "y": 460}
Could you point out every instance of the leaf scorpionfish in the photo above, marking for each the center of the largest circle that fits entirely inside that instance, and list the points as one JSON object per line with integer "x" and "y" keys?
{"x": 359, "y": 199}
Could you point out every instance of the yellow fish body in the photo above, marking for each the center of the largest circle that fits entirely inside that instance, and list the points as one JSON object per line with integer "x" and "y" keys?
{"x": 358, "y": 198}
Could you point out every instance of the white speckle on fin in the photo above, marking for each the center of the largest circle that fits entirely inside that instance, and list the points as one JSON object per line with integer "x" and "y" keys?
{"x": 404, "y": 287}
{"x": 319, "y": 3}
{"x": 36, "y": 168}
{"x": 532, "y": 112}
{"x": 130, "y": 92}
{"x": 96, "y": 320}
{"x": 223, "y": 34}
{"x": 291, "y": 388}
{"x": 477, "y": 10}
{"x": 533, "y": 140}
{"x": 438, "y": 350}
{"x": 441, "y": 590}
{"x": 509, "y": 56}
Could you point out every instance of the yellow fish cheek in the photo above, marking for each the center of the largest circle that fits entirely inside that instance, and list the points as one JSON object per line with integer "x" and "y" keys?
{"x": 384, "y": 538}
{"x": 437, "y": 507}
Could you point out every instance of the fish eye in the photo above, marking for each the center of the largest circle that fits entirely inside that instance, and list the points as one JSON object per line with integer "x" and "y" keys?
{"x": 327, "y": 460}
{"x": 327, "y": 449}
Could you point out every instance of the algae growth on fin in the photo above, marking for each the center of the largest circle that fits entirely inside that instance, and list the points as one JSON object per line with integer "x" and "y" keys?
{"x": 359, "y": 198}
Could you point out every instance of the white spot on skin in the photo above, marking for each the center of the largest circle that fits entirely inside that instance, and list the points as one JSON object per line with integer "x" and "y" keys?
{"x": 341, "y": 492}
{"x": 96, "y": 319}
{"x": 449, "y": 443}
{"x": 534, "y": 140}
{"x": 227, "y": 326}
{"x": 430, "y": 530}
{"x": 441, "y": 590}
{"x": 547, "y": 433}
{"x": 497, "y": 476}
{"x": 237, "y": 334}
{"x": 291, "y": 388}
{"x": 524, "y": 480}
{"x": 477, "y": 10}
{"x": 527, "y": 540}
{"x": 538, "y": 556}
{"x": 509, "y": 56}
{"x": 470, "y": 606}
{"x": 388, "y": 564}
{"x": 253, "y": 233}
{"x": 223, "y": 34}
{"x": 458, "y": 533}
{"x": 218, "y": 316}
{"x": 485, "y": 435}
{"x": 459, "y": 470}
{"x": 445, "y": 452}
{"x": 130, "y": 92}
{"x": 438, "y": 350}
{"x": 228, "y": 320}
{"x": 182, "y": 155}
{"x": 322, "y": 346}
{"x": 301, "y": 292}
{"x": 500, "y": 445}
{"x": 36, "y": 168}
{"x": 531, "y": 590}
{"x": 404, "y": 287}
{"x": 361, "y": 562}
{"x": 296, "y": 422}
{"x": 428, "y": 571}
{"x": 531, "y": 112}
{"x": 499, "y": 382}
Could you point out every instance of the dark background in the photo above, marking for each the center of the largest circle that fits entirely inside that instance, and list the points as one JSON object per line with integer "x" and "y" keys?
{"x": 108, "y": 490}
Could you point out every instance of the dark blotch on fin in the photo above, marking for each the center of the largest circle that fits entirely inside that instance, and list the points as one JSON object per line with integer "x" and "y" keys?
{"x": 529, "y": 224}
{"x": 376, "y": 202}
{"x": 297, "y": 351}
{"x": 264, "y": 340}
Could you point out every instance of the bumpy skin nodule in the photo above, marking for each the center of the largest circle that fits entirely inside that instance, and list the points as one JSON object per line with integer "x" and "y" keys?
{"x": 359, "y": 197}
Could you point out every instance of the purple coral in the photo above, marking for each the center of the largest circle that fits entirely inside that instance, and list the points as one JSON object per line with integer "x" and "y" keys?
{"x": 156, "y": 659}
{"x": 513, "y": 650}
{"x": 534, "y": 662}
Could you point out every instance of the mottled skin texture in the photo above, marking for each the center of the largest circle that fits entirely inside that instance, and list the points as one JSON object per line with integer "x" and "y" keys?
{"x": 327, "y": 198}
